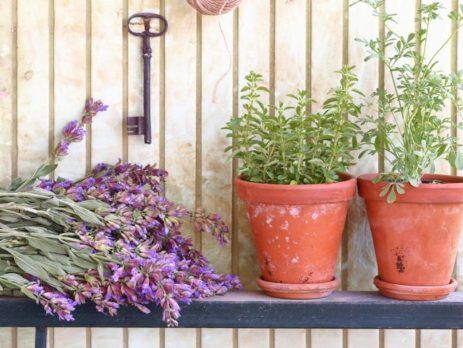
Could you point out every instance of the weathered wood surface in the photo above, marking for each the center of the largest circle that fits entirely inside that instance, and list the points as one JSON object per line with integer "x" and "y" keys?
{"x": 360, "y": 257}
{"x": 45, "y": 74}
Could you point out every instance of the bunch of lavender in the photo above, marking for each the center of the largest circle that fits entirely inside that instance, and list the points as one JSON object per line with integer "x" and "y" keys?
{"x": 142, "y": 229}
{"x": 115, "y": 239}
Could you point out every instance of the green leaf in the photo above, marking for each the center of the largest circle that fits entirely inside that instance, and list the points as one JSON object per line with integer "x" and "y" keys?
{"x": 414, "y": 182}
{"x": 385, "y": 190}
{"x": 459, "y": 161}
{"x": 391, "y": 197}
{"x": 45, "y": 170}
{"x": 28, "y": 265}
{"x": 50, "y": 266}
{"x": 80, "y": 262}
{"x": 400, "y": 189}
{"x": 93, "y": 205}
{"x": 47, "y": 245}
{"x": 377, "y": 179}
{"x": 15, "y": 278}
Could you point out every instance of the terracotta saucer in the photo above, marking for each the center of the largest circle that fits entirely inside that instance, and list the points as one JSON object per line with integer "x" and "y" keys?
{"x": 298, "y": 291}
{"x": 414, "y": 292}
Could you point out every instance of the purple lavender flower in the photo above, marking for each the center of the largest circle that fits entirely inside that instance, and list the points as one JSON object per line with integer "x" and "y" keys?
{"x": 35, "y": 288}
{"x": 91, "y": 109}
{"x": 62, "y": 149}
{"x": 73, "y": 132}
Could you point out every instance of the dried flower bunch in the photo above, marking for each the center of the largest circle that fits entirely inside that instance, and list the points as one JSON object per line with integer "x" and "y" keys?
{"x": 111, "y": 238}
{"x": 288, "y": 144}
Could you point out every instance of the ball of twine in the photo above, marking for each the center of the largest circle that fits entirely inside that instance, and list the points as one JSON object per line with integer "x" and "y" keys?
{"x": 213, "y": 7}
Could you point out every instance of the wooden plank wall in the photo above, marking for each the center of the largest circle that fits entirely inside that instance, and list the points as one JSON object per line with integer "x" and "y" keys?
{"x": 54, "y": 53}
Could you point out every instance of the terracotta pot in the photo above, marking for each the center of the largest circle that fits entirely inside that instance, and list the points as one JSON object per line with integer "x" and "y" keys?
{"x": 416, "y": 237}
{"x": 297, "y": 232}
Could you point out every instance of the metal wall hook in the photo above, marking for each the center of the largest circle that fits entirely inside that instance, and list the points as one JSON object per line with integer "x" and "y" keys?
{"x": 138, "y": 125}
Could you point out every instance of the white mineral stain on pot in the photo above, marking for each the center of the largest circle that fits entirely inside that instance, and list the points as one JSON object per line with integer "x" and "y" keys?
{"x": 259, "y": 209}
{"x": 269, "y": 220}
{"x": 294, "y": 211}
{"x": 315, "y": 215}
{"x": 287, "y": 239}
{"x": 284, "y": 225}
{"x": 295, "y": 260}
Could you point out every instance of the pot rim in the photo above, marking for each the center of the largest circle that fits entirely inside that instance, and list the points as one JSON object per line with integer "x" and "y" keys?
{"x": 450, "y": 191}
{"x": 282, "y": 194}
{"x": 346, "y": 176}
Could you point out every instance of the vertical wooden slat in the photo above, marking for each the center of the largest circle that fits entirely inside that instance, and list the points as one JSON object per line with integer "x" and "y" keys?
{"x": 138, "y": 151}
{"x": 106, "y": 84}
{"x": 290, "y": 55}
{"x": 25, "y": 338}
{"x": 180, "y": 338}
{"x": 289, "y": 76}
{"x": 254, "y": 31}
{"x": 104, "y": 338}
{"x": 438, "y": 33}
{"x": 70, "y": 92}
{"x": 32, "y": 98}
{"x": 326, "y": 338}
{"x": 459, "y": 263}
{"x": 404, "y": 23}
{"x": 213, "y": 338}
{"x": 106, "y": 68}
{"x": 216, "y": 180}
{"x": 361, "y": 265}
{"x": 70, "y": 79}
{"x": 180, "y": 123}
{"x": 297, "y": 337}
{"x": 253, "y": 338}
{"x": 399, "y": 339}
{"x": 6, "y": 337}
{"x": 7, "y": 92}
{"x": 216, "y": 110}
{"x": 253, "y": 55}
{"x": 327, "y": 33}
{"x": 180, "y": 102}
{"x": 33, "y": 75}
{"x": 69, "y": 338}
{"x": 7, "y": 103}
{"x": 146, "y": 338}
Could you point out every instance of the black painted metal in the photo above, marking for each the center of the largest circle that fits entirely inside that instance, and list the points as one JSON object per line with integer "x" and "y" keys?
{"x": 138, "y": 125}
{"x": 40, "y": 337}
{"x": 255, "y": 310}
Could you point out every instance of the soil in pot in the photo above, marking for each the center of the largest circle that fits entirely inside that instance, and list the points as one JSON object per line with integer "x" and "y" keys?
{"x": 416, "y": 237}
{"x": 297, "y": 232}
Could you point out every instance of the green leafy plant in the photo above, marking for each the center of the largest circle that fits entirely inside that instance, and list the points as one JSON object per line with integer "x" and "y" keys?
{"x": 413, "y": 125}
{"x": 286, "y": 143}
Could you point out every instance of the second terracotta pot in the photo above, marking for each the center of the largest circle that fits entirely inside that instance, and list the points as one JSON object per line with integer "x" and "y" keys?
{"x": 416, "y": 237}
{"x": 297, "y": 232}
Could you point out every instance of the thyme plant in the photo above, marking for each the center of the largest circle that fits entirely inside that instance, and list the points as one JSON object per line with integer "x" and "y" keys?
{"x": 413, "y": 125}
{"x": 288, "y": 144}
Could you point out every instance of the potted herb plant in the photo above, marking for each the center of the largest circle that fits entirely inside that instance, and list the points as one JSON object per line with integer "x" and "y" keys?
{"x": 415, "y": 215}
{"x": 292, "y": 179}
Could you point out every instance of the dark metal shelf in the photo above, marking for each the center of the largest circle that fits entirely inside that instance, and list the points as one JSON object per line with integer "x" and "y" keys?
{"x": 244, "y": 309}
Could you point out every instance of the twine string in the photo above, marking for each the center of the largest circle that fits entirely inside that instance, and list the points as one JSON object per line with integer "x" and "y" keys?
{"x": 217, "y": 7}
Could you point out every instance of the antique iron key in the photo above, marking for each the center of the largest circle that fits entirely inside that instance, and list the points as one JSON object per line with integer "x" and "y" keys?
{"x": 138, "y": 125}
